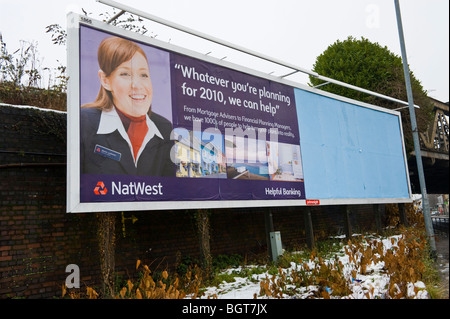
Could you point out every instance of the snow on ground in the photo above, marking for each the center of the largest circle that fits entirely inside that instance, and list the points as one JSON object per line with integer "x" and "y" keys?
{"x": 373, "y": 285}
{"x": 32, "y": 107}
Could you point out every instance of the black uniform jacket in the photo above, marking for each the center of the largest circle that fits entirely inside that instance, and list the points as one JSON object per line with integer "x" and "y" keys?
{"x": 110, "y": 154}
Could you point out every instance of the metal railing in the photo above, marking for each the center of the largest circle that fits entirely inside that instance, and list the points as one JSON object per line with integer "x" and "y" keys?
{"x": 440, "y": 224}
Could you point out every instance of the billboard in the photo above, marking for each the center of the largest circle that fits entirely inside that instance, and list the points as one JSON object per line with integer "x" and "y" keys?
{"x": 154, "y": 126}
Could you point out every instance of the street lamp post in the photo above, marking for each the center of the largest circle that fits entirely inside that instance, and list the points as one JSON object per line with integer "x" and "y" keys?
{"x": 412, "y": 114}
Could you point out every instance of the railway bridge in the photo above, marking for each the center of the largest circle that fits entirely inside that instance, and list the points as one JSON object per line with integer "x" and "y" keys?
{"x": 435, "y": 154}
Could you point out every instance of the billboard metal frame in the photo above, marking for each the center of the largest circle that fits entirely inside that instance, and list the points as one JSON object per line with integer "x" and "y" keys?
{"x": 73, "y": 130}
{"x": 125, "y": 8}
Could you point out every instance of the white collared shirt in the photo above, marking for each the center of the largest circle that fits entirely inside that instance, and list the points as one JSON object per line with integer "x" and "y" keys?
{"x": 110, "y": 121}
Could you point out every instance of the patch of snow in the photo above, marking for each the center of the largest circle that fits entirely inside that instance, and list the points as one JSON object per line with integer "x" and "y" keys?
{"x": 374, "y": 284}
{"x": 33, "y": 107}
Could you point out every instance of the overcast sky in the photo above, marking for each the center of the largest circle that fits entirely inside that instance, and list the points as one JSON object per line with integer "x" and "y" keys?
{"x": 295, "y": 31}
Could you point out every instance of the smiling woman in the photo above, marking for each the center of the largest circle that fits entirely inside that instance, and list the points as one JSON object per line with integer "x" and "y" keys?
{"x": 130, "y": 86}
{"x": 123, "y": 73}
{"x": 120, "y": 119}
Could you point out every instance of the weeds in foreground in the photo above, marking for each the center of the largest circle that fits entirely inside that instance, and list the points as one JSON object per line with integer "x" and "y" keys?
{"x": 403, "y": 259}
{"x": 146, "y": 287}
{"x": 402, "y": 263}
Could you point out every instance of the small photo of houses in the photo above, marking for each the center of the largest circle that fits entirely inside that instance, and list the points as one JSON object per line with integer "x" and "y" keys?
{"x": 199, "y": 154}
{"x": 246, "y": 158}
{"x": 211, "y": 155}
{"x": 284, "y": 162}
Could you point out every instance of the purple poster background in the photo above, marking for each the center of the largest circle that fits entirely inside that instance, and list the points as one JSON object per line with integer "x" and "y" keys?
{"x": 227, "y": 98}
{"x": 121, "y": 188}
{"x": 186, "y": 89}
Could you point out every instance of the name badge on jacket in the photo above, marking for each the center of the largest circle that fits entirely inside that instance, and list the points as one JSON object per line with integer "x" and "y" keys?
{"x": 106, "y": 152}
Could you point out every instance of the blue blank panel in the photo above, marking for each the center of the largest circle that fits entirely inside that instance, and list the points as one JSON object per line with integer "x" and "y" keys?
{"x": 349, "y": 151}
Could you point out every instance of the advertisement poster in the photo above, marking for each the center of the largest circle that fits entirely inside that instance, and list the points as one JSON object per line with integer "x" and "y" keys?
{"x": 157, "y": 125}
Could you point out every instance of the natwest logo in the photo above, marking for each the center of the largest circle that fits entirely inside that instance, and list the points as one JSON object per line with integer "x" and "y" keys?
{"x": 100, "y": 189}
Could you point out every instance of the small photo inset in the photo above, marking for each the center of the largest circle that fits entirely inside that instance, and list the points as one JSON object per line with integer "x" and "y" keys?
{"x": 284, "y": 162}
{"x": 198, "y": 154}
{"x": 246, "y": 158}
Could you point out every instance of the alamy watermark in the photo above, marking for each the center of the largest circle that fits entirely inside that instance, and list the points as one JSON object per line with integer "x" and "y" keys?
{"x": 247, "y": 144}
{"x": 73, "y": 280}
{"x": 373, "y": 16}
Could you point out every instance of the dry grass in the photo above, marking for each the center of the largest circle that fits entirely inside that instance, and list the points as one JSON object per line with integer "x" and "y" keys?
{"x": 147, "y": 287}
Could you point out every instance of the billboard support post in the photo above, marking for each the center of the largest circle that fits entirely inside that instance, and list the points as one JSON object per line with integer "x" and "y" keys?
{"x": 376, "y": 212}
{"x": 402, "y": 214}
{"x": 268, "y": 222}
{"x": 415, "y": 132}
{"x": 309, "y": 232}
{"x": 106, "y": 246}
{"x": 347, "y": 222}
{"x": 202, "y": 220}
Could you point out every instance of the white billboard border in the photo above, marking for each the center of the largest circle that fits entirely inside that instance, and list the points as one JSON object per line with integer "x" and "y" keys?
{"x": 73, "y": 203}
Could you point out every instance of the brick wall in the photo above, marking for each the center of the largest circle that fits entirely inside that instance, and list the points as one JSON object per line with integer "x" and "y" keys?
{"x": 38, "y": 239}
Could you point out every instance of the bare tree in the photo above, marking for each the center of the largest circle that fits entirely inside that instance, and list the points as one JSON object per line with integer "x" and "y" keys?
{"x": 22, "y": 62}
